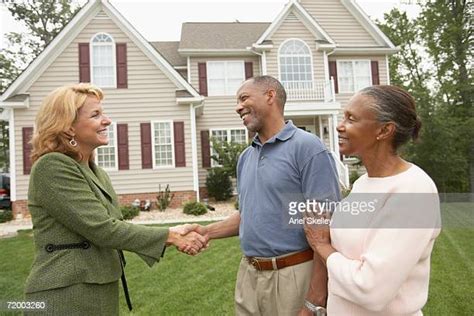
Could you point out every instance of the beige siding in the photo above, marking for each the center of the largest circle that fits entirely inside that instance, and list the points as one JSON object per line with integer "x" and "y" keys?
{"x": 383, "y": 75}
{"x": 219, "y": 111}
{"x": 150, "y": 96}
{"x": 338, "y": 22}
{"x": 292, "y": 27}
{"x": 195, "y": 60}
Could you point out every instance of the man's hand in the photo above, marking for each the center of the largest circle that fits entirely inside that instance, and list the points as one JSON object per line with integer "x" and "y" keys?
{"x": 186, "y": 239}
{"x": 184, "y": 229}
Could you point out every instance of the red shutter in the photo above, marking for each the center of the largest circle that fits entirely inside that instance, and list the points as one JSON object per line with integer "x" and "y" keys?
{"x": 202, "y": 74}
{"x": 248, "y": 70}
{"x": 333, "y": 73}
{"x": 205, "y": 149}
{"x": 179, "y": 153}
{"x": 27, "y": 133}
{"x": 374, "y": 65}
{"x": 145, "y": 133}
{"x": 121, "y": 49}
{"x": 84, "y": 63}
{"x": 122, "y": 141}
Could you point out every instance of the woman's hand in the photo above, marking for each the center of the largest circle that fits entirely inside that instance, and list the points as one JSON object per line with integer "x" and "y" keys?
{"x": 186, "y": 239}
{"x": 319, "y": 237}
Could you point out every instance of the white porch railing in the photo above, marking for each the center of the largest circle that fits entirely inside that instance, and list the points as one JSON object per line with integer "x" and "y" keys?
{"x": 342, "y": 171}
{"x": 310, "y": 90}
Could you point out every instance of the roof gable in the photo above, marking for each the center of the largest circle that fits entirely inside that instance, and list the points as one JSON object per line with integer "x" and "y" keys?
{"x": 72, "y": 29}
{"x": 367, "y": 23}
{"x": 347, "y": 24}
{"x": 303, "y": 15}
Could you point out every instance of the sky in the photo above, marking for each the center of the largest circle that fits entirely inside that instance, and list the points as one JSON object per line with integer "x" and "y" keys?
{"x": 160, "y": 20}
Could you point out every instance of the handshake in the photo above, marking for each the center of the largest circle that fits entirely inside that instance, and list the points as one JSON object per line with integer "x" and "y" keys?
{"x": 188, "y": 238}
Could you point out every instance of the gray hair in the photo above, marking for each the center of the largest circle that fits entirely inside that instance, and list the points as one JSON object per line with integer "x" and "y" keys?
{"x": 393, "y": 104}
{"x": 270, "y": 82}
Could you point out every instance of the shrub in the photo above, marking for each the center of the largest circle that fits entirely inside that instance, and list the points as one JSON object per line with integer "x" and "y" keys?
{"x": 218, "y": 184}
{"x": 6, "y": 215}
{"x": 164, "y": 198}
{"x": 129, "y": 212}
{"x": 227, "y": 154}
{"x": 194, "y": 208}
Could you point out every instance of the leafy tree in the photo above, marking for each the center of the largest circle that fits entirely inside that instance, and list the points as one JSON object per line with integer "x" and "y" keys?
{"x": 448, "y": 32}
{"x": 43, "y": 20}
{"x": 439, "y": 37}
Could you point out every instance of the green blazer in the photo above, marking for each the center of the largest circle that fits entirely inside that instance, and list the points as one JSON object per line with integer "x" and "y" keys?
{"x": 71, "y": 203}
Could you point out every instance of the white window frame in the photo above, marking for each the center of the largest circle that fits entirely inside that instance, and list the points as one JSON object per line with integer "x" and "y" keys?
{"x": 114, "y": 58}
{"x": 173, "y": 163}
{"x": 115, "y": 142}
{"x": 225, "y": 62}
{"x": 339, "y": 61}
{"x": 310, "y": 57}
{"x": 228, "y": 131}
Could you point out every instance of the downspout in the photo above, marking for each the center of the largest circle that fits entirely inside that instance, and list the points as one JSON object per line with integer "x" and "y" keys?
{"x": 11, "y": 140}
{"x": 192, "y": 112}
{"x": 263, "y": 60}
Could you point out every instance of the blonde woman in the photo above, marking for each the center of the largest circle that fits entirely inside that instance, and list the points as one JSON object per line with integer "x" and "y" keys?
{"x": 78, "y": 230}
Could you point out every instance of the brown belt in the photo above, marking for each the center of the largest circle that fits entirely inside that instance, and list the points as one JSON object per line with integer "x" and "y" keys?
{"x": 282, "y": 262}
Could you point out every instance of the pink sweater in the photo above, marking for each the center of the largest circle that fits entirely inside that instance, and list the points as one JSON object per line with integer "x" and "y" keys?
{"x": 379, "y": 270}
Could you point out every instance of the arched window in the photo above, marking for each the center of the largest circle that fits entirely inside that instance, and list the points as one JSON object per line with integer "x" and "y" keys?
{"x": 103, "y": 61}
{"x": 295, "y": 65}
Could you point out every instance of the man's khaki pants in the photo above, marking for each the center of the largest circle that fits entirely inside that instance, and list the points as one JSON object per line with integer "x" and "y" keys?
{"x": 272, "y": 292}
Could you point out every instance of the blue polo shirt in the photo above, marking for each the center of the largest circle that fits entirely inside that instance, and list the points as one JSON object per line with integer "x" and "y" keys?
{"x": 293, "y": 165}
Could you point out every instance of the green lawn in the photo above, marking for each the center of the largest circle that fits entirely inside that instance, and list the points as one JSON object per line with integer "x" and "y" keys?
{"x": 204, "y": 285}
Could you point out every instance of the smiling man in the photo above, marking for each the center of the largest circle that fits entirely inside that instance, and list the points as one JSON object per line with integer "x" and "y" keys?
{"x": 278, "y": 271}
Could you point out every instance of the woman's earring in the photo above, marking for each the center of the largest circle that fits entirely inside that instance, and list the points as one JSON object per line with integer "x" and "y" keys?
{"x": 378, "y": 138}
{"x": 73, "y": 142}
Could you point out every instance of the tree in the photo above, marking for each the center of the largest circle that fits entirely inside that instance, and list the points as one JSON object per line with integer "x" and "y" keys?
{"x": 43, "y": 20}
{"x": 448, "y": 33}
{"x": 438, "y": 37}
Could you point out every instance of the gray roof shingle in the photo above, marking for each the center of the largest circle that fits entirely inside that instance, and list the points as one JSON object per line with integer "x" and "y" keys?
{"x": 220, "y": 35}
{"x": 169, "y": 50}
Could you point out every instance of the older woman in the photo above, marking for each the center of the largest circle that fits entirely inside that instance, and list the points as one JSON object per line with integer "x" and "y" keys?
{"x": 379, "y": 262}
{"x": 77, "y": 224}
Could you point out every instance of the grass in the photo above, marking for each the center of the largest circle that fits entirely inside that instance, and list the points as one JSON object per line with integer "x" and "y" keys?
{"x": 204, "y": 285}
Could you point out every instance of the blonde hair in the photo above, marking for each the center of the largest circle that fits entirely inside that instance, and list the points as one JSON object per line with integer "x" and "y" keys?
{"x": 55, "y": 118}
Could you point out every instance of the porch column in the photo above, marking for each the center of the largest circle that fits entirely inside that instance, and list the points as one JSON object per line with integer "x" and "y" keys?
{"x": 335, "y": 134}
{"x": 331, "y": 130}
{"x": 321, "y": 129}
